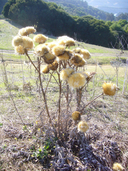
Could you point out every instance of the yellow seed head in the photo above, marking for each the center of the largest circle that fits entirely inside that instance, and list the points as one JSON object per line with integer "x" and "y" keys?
{"x": 22, "y": 32}
{"x": 51, "y": 44}
{"x": 27, "y": 42}
{"x": 109, "y": 89}
{"x": 16, "y": 41}
{"x": 66, "y": 41}
{"x": 45, "y": 69}
{"x": 83, "y": 126}
{"x": 53, "y": 66}
{"x": 86, "y": 54}
{"x": 40, "y": 38}
{"x": 65, "y": 56}
{"x": 19, "y": 49}
{"x": 24, "y": 41}
{"x": 77, "y": 60}
{"x": 65, "y": 73}
{"x": 76, "y": 115}
{"x": 77, "y": 50}
{"x": 41, "y": 49}
{"x": 117, "y": 167}
{"x": 26, "y": 31}
{"x": 58, "y": 50}
{"x": 49, "y": 58}
{"x": 76, "y": 80}
{"x": 30, "y": 30}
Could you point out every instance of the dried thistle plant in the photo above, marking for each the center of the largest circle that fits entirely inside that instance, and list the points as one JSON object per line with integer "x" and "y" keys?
{"x": 64, "y": 66}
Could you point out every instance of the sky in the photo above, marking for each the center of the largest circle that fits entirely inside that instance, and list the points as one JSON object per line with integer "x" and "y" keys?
{"x": 110, "y": 5}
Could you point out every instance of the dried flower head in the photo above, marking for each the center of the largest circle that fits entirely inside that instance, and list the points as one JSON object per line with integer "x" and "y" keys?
{"x": 88, "y": 75}
{"x": 40, "y": 38}
{"x": 86, "y": 54}
{"x": 24, "y": 41}
{"x": 58, "y": 50}
{"x": 41, "y": 49}
{"x": 77, "y": 50}
{"x": 27, "y": 42}
{"x": 66, "y": 41}
{"x": 76, "y": 115}
{"x": 76, "y": 80}
{"x": 22, "y": 32}
{"x": 26, "y": 31}
{"x": 20, "y": 50}
{"x": 109, "y": 89}
{"x": 53, "y": 66}
{"x": 45, "y": 69}
{"x": 51, "y": 44}
{"x": 49, "y": 58}
{"x": 17, "y": 40}
{"x": 117, "y": 167}
{"x": 65, "y": 56}
{"x": 30, "y": 29}
{"x": 77, "y": 60}
{"x": 83, "y": 126}
{"x": 65, "y": 73}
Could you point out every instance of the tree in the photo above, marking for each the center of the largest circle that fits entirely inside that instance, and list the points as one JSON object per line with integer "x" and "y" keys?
{"x": 2, "y": 3}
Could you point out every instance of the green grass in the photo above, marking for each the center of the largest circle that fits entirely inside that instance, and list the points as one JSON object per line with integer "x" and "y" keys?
{"x": 7, "y": 31}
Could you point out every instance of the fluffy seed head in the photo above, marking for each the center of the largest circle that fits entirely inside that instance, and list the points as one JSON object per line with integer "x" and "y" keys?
{"x": 40, "y": 38}
{"x": 22, "y": 32}
{"x": 83, "y": 126}
{"x": 53, "y": 66}
{"x": 41, "y": 49}
{"x": 24, "y": 41}
{"x": 76, "y": 80}
{"x": 76, "y": 115}
{"x": 49, "y": 58}
{"x": 88, "y": 75}
{"x": 27, "y": 42}
{"x": 30, "y": 30}
{"x": 65, "y": 73}
{"x": 66, "y": 41}
{"x": 16, "y": 41}
{"x": 109, "y": 89}
{"x": 77, "y": 50}
{"x": 51, "y": 44}
{"x": 20, "y": 50}
{"x": 45, "y": 69}
{"x": 65, "y": 56}
{"x": 77, "y": 60}
{"x": 26, "y": 31}
{"x": 58, "y": 50}
{"x": 117, "y": 167}
{"x": 86, "y": 54}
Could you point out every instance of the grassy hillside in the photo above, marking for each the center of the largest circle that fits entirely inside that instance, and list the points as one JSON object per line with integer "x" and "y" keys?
{"x": 9, "y": 29}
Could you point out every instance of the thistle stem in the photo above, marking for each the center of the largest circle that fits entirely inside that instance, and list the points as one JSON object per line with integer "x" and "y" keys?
{"x": 91, "y": 101}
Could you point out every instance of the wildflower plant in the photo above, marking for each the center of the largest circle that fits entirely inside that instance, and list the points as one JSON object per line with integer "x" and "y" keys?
{"x": 64, "y": 66}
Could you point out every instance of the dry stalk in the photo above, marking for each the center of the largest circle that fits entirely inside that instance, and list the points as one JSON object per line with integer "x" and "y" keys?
{"x": 5, "y": 79}
{"x": 92, "y": 101}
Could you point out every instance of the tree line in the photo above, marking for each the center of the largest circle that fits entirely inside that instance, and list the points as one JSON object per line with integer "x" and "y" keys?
{"x": 81, "y": 8}
{"x": 56, "y": 21}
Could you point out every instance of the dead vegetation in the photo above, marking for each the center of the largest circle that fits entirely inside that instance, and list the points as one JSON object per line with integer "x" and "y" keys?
{"x": 37, "y": 131}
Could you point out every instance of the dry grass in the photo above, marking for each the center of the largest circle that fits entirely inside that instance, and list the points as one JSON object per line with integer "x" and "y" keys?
{"x": 107, "y": 117}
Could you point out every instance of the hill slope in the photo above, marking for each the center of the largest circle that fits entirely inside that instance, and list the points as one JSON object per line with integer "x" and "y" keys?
{"x": 80, "y": 8}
